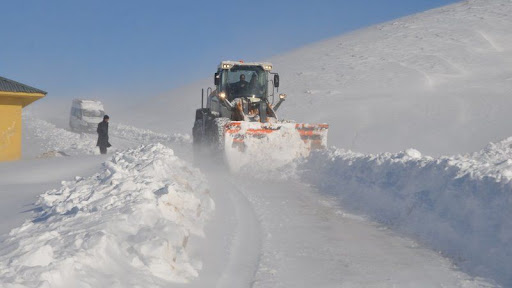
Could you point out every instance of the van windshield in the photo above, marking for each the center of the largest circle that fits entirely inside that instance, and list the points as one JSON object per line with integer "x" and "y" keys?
{"x": 93, "y": 113}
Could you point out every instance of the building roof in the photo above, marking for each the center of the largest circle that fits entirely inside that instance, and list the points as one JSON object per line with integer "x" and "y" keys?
{"x": 8, "y": 85}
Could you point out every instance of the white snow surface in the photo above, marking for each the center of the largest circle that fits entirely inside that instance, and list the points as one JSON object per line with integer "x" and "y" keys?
{"x": 45, "y": 140}
{"x": 120, "y": 228}
{"x": 126, "y": 226}
{"x": 148, "y": 136}
{"x": 460, "y": 205}
{"x": 439, "y": 81}
{"x": 23, "y": 181}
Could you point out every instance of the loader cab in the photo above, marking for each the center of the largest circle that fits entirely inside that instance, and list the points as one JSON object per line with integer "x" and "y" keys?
{"x": 242, "y": 80}
{"x": 248, "y": 82}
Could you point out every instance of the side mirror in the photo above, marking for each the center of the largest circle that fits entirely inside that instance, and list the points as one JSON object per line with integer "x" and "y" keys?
{"x": 216, "y": 79}
{"x": 276, "y": 80}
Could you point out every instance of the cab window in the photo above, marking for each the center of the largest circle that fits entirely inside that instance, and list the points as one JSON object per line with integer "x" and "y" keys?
{"x": 244, "y": 81}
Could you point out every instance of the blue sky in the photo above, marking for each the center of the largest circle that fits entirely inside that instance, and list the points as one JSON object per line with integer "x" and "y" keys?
{"x": 144, "y": 48}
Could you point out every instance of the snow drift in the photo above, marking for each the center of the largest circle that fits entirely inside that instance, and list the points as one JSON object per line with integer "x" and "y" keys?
{"x": 126, "y": 226}
{"x": 458, "y": 205}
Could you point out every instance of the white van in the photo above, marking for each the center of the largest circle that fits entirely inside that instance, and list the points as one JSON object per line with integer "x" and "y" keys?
{"x": 85, "y": 115}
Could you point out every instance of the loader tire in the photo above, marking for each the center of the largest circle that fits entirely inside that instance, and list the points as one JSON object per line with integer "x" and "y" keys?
{"x": 197, "y": 132}
{"x": 217, "y": 134}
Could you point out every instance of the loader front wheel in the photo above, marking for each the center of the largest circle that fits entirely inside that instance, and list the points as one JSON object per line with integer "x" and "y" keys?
{"x": 218, "y": 125}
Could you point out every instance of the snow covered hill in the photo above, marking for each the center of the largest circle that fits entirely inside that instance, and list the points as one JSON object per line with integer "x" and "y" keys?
{"x": 439, "y": 81}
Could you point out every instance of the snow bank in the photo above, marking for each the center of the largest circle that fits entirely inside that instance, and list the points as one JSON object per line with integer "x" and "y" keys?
{"x": 147, "y": 136}
{"x": 50, "y": 140}
{"x": 460, "y": 205}
{"x": 126, "y": 226}
{"x": 53, "y": 139}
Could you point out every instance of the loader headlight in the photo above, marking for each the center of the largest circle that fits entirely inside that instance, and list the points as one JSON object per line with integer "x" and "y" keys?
{"x": 282, "y": 96}
{"x": 222, "y": 95}
{"x": 267, "y": 67}
{"x": 226, "y": 66}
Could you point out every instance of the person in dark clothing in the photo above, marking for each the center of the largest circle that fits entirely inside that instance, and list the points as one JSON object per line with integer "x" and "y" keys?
{"x": 241, "y": 86}
{"x": 103, "y": 135}
{"x": 255, "y": 87}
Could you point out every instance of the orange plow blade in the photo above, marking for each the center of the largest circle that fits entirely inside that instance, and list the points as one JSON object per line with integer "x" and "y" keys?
{"x": 270, "y": 145}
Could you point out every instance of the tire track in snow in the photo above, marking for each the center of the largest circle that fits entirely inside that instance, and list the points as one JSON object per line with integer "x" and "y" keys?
{"x": 232, "y": 246}
{"x": 246, "y": 244}
{"x": 308, "y": 241}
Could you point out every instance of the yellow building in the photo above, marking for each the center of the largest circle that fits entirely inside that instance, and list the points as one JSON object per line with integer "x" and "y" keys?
{"x": 13, "y": 97}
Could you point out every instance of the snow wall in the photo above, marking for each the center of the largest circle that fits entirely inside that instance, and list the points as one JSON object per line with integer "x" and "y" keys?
{"x": 460, "y": 206}
{"x": 126, "y": 226}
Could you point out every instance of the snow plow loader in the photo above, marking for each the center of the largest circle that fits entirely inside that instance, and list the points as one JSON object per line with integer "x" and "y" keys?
{"x": 240, "y": 124}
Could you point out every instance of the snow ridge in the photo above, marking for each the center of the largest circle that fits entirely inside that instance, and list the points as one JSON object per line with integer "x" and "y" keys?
{"x": 148, "y": 136}
{"x": 126, "y": 226}
{"x": 52, "y": 138}
{"x": 55, "y": 141}
{"x": 457, "y": 205}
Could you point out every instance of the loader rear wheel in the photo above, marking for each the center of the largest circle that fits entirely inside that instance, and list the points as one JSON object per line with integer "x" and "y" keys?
{"x": 199, "y": 129}
{"x": 199, "y": 144}
{"x": 197, "y": 132}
